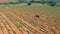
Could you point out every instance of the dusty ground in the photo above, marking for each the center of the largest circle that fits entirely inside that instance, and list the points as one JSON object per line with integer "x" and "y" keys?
{"x": 22, "y": 20}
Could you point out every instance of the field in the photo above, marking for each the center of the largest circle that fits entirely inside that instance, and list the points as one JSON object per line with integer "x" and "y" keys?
{"x": 21, "y": 19}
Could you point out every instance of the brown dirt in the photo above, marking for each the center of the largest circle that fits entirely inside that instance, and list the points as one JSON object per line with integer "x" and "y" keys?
{"x": 1, "y": 31}
{"x": 45, "y": 27}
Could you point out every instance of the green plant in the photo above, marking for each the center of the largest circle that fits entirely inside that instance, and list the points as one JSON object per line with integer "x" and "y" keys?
{"x": 5, "y": 24}
{"x": 1, "y": 27}
{"x": 31, "y": 22}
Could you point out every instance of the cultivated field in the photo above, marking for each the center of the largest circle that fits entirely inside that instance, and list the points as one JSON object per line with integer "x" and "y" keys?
{"x": 21, "y": 19}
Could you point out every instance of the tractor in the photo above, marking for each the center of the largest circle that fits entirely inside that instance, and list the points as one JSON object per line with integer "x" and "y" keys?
{"x": 49, "y": 2}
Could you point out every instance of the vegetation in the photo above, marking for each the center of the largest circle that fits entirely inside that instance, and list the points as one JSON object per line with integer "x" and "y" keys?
{"x": 50, "y": 16}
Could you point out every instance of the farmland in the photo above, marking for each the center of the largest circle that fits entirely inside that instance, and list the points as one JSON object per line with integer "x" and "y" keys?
{"x": 20, "y": 19}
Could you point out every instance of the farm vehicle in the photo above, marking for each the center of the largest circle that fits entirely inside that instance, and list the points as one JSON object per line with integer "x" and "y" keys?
{"x": 49, "y": 2}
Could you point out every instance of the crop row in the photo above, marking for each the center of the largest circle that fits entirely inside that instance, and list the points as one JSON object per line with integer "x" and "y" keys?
{"x": 21, "y": 25}
{"x": 30, "y": 21}
{"x": 11, "y": 25}
{"x": 12, "y": 18}
{"x": 6, "y": 25}
{"x": 17, "y": 12}
{"x": 28, "y": 26}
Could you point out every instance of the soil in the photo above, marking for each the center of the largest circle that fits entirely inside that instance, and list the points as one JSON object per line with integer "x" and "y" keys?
{"x": 46, "y": 24}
